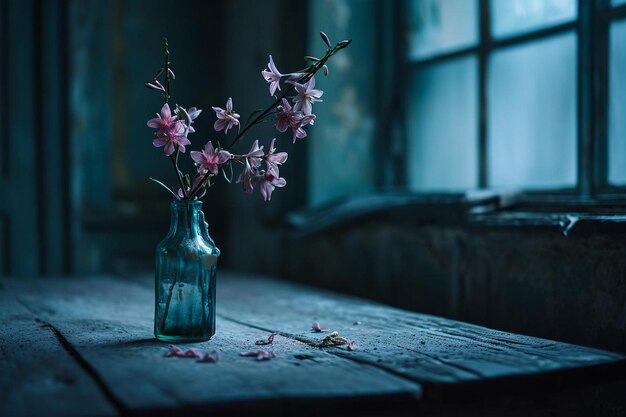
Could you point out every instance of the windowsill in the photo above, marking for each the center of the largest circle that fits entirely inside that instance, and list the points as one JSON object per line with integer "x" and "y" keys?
{"x": 476, "y": 209}
{"x": 568, "y": 223}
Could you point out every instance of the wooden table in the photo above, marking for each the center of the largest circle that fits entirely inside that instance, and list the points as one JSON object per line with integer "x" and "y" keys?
{"x": 84, "y": 347}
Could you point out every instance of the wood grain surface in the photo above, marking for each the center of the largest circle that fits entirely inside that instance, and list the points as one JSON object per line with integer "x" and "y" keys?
{"x": 85, "y": 346}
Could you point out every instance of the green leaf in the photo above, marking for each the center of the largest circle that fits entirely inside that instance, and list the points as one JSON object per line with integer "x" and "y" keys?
{"x": 166, "y": 187}
{"x": 230, "y": 165}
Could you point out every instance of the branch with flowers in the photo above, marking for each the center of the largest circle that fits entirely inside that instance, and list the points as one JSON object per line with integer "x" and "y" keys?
{"x": 259, "y": 168}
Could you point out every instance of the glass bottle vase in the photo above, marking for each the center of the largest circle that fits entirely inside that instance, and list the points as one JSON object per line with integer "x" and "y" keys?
{"x": 186, "y": 264}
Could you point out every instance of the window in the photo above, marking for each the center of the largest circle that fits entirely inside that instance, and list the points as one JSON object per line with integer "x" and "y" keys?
{"x": 523, "y": 93}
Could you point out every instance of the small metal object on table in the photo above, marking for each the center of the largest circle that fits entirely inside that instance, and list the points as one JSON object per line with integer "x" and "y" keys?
{"x": 83, "y": 346}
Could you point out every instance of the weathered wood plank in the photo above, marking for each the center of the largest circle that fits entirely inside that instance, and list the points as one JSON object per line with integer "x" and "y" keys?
{"x": 37, "y": 375}
{"x": 431, "y": 350}
{"x": 400, "y": 356}
{"x": 109, "y": 322}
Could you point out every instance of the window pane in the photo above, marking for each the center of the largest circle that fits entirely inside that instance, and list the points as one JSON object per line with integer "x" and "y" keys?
{"x": 340, "y": 147}
{"x": 532, "y": 114}
{"x": 442, "y": 126}
{"x": 511, "y": 17}
{"x": 436, "y": 26}
{"x": 617, "y": 104}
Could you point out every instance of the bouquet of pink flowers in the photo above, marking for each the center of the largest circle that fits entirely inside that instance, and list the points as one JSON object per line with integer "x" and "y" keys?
{"x": 258, "y": 167}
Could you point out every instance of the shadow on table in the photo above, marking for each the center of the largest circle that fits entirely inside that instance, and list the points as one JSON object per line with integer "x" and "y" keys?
{"x": 153, "y": 342}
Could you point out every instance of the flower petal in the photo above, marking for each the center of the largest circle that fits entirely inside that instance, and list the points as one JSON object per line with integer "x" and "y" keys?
{"x": 166, "y": 113}
{"x": 223, "y": 156}
{"x": 158, "y": 142}
{"x": 155, "y": 123}
{"x": 220, "y": 124}
{"x": 273, "y": 68}
{"x": 173, "y": 351}
{"x": 277, "y": 158}
{"x": 198, "y": 157}
{"x": 266, "y": 189}
{"x": 192, "y": 353}
{"x": 212, "y": 357}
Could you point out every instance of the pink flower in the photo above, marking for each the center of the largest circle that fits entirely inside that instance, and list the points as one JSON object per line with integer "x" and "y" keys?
{"x": 297, "y": 128}
{"x": 188, "y": 116}
{"x": 268, "y": 182}
{"x": 174, "y": 351}
{"x": 225, "y": 118}
{"x": 193, "y": 112}
{"x": 307, "y": 95}
{"x": 163, "y": 121}
{"x": 170, "y": 132}
{"x": 210, "y": 159}
{"x": 248, "y": 177}
{"x": 192, "y": 353}
{"x": 272, "y": 160}
{"x": 255, "y": 154}
{"x": 286, "y": 118}
{"x": 272, "y": 76}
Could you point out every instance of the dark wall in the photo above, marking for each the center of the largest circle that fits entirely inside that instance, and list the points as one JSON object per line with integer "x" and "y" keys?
{"x": 523, "y": 279}
{"x": 218, "y": 51}
{"x": 77, "y": 154}
{"x": 34, "y": 146}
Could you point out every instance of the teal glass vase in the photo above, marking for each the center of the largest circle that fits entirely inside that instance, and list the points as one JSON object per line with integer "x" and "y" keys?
{"x": 186, "y": 267}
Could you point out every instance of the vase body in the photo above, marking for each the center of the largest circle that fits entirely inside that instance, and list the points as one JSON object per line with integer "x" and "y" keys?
{"x": 186, "y": 266}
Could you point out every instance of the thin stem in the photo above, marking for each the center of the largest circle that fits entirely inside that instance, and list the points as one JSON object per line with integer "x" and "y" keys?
{"x": 174, "y": 160}
{"x": 166, "y": 96}
{"x": 267, "y": 111}
{"x": 166, "y": 67}
{"x": 306, "y": 77}
{"x": 167, "y": 304}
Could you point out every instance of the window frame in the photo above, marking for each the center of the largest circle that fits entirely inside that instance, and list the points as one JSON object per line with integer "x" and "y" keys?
{"x": 592, "y": 26}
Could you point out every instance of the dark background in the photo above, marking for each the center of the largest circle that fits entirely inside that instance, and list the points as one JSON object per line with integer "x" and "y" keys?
{"x": 75, "y": 157}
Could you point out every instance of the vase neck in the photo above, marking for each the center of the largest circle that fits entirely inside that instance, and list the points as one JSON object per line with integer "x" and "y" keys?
{"x": 185, "y": 218}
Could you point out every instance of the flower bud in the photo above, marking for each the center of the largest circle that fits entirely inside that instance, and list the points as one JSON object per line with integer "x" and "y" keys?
{"x": 325, "y": 71}
{"x": 158, "y": 73}
{"x": 171, "y": 73}
{"x": 311, "y": 58}
{"x": 344, "y": 43}
{"x": 152, "y": 86}
{"x": 325, "y": 39}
